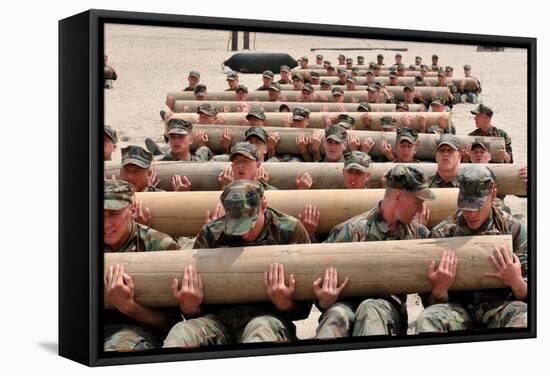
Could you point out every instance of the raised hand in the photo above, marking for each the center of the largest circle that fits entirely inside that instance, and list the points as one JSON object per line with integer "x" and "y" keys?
{"x": 119, "y": 288}
{"x": 326, "y": 290}
{"x": 181, "y": 183}
{"x": 278, "y": 292}
{"x": 190, "y": 294}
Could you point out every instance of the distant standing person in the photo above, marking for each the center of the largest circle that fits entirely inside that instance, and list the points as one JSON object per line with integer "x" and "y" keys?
{"x": 109, "y": 74}
{"x": 193, "y": 78}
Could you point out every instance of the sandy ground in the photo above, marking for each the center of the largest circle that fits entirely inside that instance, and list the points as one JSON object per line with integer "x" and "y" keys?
{"x": 150, "y": 61}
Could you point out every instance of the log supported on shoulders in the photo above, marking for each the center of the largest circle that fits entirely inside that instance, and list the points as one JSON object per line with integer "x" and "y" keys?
{"x": 236, "y": 275}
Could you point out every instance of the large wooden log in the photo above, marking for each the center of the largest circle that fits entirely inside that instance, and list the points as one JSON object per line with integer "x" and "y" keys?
{"x": 234, "y": 106}
{"x": 427, "y": 142}
{"x": 182, "y": 213}
{"x": 290, "y": 96}
{"x": 469, "y": 83}
{"x": 236, "y": 275}
{"x": 397, "y": 91}
{"x": 203, "y": 176}
{"x": 316, "y": 119}
{"x": 362, "y": 72}
{"x": 386, "y": 67}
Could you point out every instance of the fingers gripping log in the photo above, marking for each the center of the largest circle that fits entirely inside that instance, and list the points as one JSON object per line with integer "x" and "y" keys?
{"x": 182, "y": 213}
{"x": 203, "y": 175}
{"x": 235, "y": 275}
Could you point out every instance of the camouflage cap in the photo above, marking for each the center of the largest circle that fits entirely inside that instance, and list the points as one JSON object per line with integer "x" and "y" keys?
{"x": 232, "y": 76}
{"x": 475, "y": 183}
{"x": 117, "y": 194}
{"x": 408, "y": 87}
{"x": 330, "y": 68}
{"x": 274, "y": 86}
{"x": 300, "y": 113}
{"x": 336, "y": 132}
{"x": 246, "y": 149}
{"x": 448, "y": 68}
{"x": 268, "y": 73}
{"x": 392, "y": 74}
{"x": 380, "y": 55}
{"x": 407, "y": 134}
{"x": 111, "y": 133}
{"x": 207, "y": 109}
{"x": 258, "y": 132}
{"x": 480, "y": 141}
{"x": 364, "y": 107}
{"x": 372, "y": 64}
{"x": 200, "y": 89}
{"x": 373, "y": 88}
{"x": 340, "y": 57}
{"x": 298, "y": 76}
{"x": 179, "y": 126}
{"x": 412, "y": 67}
{"x": 467, "y": 67}
{"x": 351, "y": 79}
{"x": 436, "y": 100}
{"x": 423, "y": 69}
{"x": 319, "y": 56}
{"x": 401, "y": 67}
{"x": 354, "y": 70}
{"x": 376, "y": 66}
{"x": 344, "y": 124}
{"x": 342, "y": 71}
{"x": 434, "y": 56}
{"x": 285, "y": 68}
{"x": 482, "y": 109}
{"x": 315, "y": 74}
{"x": 325, "y": 82}
{"x": 284, "y": 107}
{"x": 440, "y": 73}
{"x": 357, "y": 160}
{"x": 360, "y": 58}
{"x": 136, "y": 155}
{"x": 241, "y": 87}
{"x": 241, "y": 200}
{"x": 449, "y": 140}
{"x": 410, "y": 179}
{"x": 337, "y": 91}
{"x": 387, "y": 122}
{"x": 304, "y": 58}
{"x": 257, "y": 113}
{"x": 195, "y": 74}
{"x": 402, "y": 106}
{"x": 327, "y": 63}
{"x": 307, "y": 87}
{"x": 398, "y": 55}
{"x": 346, "y": 118}
{"x": 370, "y": 72}
{"x": 418, "y": 58}
{"x": 349, "y": 60}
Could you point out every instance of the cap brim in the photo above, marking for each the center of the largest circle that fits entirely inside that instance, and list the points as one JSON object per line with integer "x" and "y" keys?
{"x": 298, "y": 117}
{"x": 468, "y": 203}
{"x": 425, "y": 194}
{"x": 240, "y": 226}
{"x": 112, "y": 204}
{"x": 406, "y": 138}
{"x": 355, "y": 166}
{"x": 206, "y": 113}
{"x": 243, "y": 153}
{"x": 448, "y": 144}
{"x": 178, "y": 131}
{"x": 254, "y": 116}
{"x": 475, "y": 112}
{"x": 335, "y": 138}
{"x": 137, "y": 162}
{"x": 479, "y": 144}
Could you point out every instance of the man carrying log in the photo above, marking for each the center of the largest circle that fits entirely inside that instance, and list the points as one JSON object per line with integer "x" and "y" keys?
{"x": 334, "y": 143}
{"x": 405, "y": 146}
{"x": 469, "y": 95}
{"x": 285, "y": 75}
{"x": 180, "y": 139}
{"x": 193, "y": 78}
{"x": 267, "y": 78}
{"x": 392, "y": 219}
{"x": 109, "y": 74}
{"x": 483, "y": 117}
{"x": 131, "y": 326}
{"x": 232, "y": 81}
{"x": 136, "y": 169}
{"x": 110, "y": 140}
{"x": 478, "y": 215}
{"x": 248, "y": 222}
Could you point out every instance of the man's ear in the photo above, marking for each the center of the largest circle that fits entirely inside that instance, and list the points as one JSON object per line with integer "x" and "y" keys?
{"x": 494, "y": 192}
{"x": 133, "y": 206}
{"x": 149, "y": 172}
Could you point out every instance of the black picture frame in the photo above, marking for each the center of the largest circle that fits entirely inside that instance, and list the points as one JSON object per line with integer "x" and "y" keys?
{"x": 81, "y": 168}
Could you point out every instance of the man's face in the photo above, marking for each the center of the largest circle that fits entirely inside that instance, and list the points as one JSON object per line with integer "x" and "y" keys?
{"x": 447, "y": 158}
{"x": 398, "y": 59}
{"x": 334, "y": 150}
{"x": 117, "y": 225}
{"x": 405, "y": 151}
{"x": 350, "y": 86}
{"x": 200, "y": 97}
{"x": 267, "y": 80}
{"x": 193, "y": 81}
{"x": 372, "y": 96}
{"x": 401, "y": 72}
{"x": 136, "y": 176}
{"x": 342, "y": 77}
{"x": 449, "y": 73}
{"x": 370, "y": 78}
{"x": 355, "y": 179}
{"x": 179, "y": 143}
{"x": 482, "y": 121}
{"x": 303, "y": 64}
{"x": 273, "y": 95}
{"x": 315, "y": 80}
{"x": 255, "y": 122}
{"x": 285, "y": 74}
{"x": 408, "y": 96}
{"x": 297, "y": 83}
{"x": 206, "y": 119}
{"x": 244, "y": 168}
{"x": 349, "y": 65}
{"x": 393, "y": 81}
{"x": 379, "y": 60}
{"x": 434, "y": 60}
{"x": 442, "y": 80}
{"x": 407, "y": 207}
{"x": 476, "y": 218}
{"x": 418, "y": 61}
{"x": 241, "y": 95}
{"x": 479, "y": 155}
{"x": 338, "y": 98}
{"x": 299, "y": 123}
{"x": 260, "y": 145}
{"x": 104, "y": 59}
{"x": 108, "y": 148}
{"x": 325, "y": 87}
{"x": 467, "y": 72}
{"x": 232, "y": 83}
{"x": 307, "y": 96}
{"x": 436, "y": 107}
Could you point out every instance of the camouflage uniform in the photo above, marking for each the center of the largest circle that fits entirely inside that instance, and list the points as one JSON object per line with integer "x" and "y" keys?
{"x": 196, "y": 75}
{"x": 254, "y": 322}
{"x": 492, "y": 131}
{"x": 109, "y": 75}
{"x": 120, "y": 332}
{"x": 471, "y": 95}
{"x": 435, "y": 128}
{"x": 232, "y": 77}
{"x": 136, "y": 155}
{"x": 298, "y": 113}
{"x": 375, "y": 315}
{"x": 183, "y": 127}
{"x": 495, "y": 308}
{"x": 405, "y": 134}
{"x": 269, "y": 74}
{"x": 338, "y": 133}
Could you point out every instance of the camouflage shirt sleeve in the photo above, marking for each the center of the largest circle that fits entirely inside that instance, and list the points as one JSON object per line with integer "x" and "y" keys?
{"x": 343, "y": 233}
{"x": 519, "y": 241}
{"x": 203, "y": 154}
{"x": 201, "y": 241}
{"x": 300, "y": 235}
{"x": 157, "y": 241}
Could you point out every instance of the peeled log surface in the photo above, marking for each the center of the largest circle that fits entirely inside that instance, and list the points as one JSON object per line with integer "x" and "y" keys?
{"x": 236, "y": 275}
{"x": 396, "y": 91}
{"x": 362, "y": 72}
{"x": 182, "y": 213}
{"x": 386, "y": 67}
{"x": 427, "y": 142}
{"x": 316, "y": 120}
{"x": 203, "y": 175}
{"x": 293, "y": 96}
{"x": 235, "y": 106}
{"x": 469, "y": 83}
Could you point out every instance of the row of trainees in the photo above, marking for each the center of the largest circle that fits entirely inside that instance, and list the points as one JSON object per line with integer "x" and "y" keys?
{"x": 246, "y": 163}
{"x": 304, "y": 84}
{"x": 179, "y": 136}
{"x": 303, "y": 62}
{"x": 250, "y": 221}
